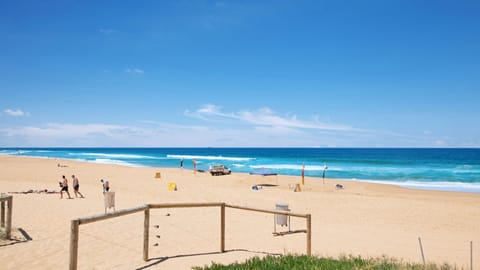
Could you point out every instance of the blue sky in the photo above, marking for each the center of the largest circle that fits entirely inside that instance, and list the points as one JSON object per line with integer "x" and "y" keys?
{"x": 240, "y": 73}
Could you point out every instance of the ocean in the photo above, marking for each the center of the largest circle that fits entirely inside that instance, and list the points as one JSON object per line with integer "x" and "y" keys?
{"x": 419, "y": 168}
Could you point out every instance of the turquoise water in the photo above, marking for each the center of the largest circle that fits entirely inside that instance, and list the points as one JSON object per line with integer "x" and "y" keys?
{"x": 436, "y": 169}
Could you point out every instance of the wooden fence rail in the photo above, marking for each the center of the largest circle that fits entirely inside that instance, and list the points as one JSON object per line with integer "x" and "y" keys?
{"x": 75, "y": 224}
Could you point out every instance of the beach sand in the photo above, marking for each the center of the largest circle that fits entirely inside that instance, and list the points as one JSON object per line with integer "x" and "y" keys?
{"x": 363, "y": 219}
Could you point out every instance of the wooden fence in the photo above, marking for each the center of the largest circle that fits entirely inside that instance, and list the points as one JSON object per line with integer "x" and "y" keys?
{"x": 75, "y": 224}
{"x": 8, "y": 215}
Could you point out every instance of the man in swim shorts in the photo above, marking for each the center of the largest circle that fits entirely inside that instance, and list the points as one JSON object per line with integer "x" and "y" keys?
{"x": 76, "y": 187}
{"x": 64, "y": 185}
{"x": 106, "y": 185}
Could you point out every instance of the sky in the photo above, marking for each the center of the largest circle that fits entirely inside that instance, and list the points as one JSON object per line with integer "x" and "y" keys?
{"x": 279, "y": 73}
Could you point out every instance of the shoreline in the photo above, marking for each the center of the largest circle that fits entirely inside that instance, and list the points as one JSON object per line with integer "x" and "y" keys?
{"x": 369, "y": 220}
{"x": 445, "y": 186}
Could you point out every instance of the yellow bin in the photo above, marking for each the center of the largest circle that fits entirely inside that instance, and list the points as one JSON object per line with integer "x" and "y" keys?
{"x": 172, "y": 186}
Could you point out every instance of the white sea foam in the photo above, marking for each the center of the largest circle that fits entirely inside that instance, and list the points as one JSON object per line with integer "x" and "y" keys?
{"x": 13, "y": 152}
{"x": 209, "y": 157}
{"x": 113, "y": 161}
{"x": 288, "y": 167}
{"x": 238, "y": 165}
{"x": 444, "y": 186}
{"x": 124, "y": 156}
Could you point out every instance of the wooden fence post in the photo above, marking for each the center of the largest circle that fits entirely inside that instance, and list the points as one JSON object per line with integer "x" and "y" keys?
{"x": 309, "y": 234}
{"x": 421, "y": 249}
{"x": 471, "y": 255}
{"x": 9, "y": 217}
{"x": 74, "y": 234}
{"x": 146, "y": 226}
{"x": 2, "y": 217}
{"x": 222, "y": 228}
{"x": 74, "y": 244}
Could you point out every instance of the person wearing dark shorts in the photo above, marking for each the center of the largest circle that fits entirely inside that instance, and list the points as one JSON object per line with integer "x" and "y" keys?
{"x": 64, "y": 185}
{"x": 76, "y": 187}
{"x": 106, "y": 185}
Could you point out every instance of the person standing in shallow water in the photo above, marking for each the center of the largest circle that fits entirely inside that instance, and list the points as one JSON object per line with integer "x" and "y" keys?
{"x": 64, "y": 185}
{"x": 76, "y": 187}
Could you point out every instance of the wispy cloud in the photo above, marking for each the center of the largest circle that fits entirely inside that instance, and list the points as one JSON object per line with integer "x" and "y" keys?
{"x": 265, "y": 117}
{"x": 60, "y": 134}
{"x": 210, "y": 125}
{"x": 15, "y": 113}
{"x": 69, "y": 130}
{"x": 107, "y": 31}
{"x": 134, "y": 71}
{"x": 153, "y": 133}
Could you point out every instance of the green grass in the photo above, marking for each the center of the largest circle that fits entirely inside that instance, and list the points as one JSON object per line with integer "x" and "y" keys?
{"x": 292, "y": 262}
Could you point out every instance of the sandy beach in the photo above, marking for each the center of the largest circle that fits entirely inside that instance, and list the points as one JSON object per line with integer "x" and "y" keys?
{"x": 363, "y": 219}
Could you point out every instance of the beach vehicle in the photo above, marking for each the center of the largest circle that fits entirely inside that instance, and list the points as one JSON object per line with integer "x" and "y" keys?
{"x": 219, "y": 170}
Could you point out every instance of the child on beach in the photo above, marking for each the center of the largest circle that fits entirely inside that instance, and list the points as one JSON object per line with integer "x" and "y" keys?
{"x": 76, "y": 187}
{"x": 64, "y": 186}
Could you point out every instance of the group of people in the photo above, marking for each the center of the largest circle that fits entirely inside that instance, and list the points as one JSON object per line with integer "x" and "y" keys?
{"x": 64, "y": 187}
{"x": 76, "y": 186}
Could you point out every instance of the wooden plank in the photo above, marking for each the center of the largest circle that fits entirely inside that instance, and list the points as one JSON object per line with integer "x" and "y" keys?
{"x": 8, "y": 228}
{"x": 146, "y": 233}
{"x": 146, "y": 208}
{"x": 2, "y": 214}
{"x": 119, "y": 213}
{"x": 268, "y": 211}
{"x": 222, "y": 228}
{"x": 309, "y": 235}
{"x": 184, "y": 205}
{"x": 74, "y": 244}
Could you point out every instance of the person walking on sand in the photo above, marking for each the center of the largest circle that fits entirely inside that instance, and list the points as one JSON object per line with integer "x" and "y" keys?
{"x": 106, "y": 185}
{"x": 76, "y": 187}
{"x": 64, "y": 185}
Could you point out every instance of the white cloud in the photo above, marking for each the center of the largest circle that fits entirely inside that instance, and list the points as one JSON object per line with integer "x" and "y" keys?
{"x": 15, "y": 112}
{"x": 55, "y": 134}
{"x": 151, "y": 133}
{"x": 265, "y": 117}
{"x": 106, "y": 31}
{"x": 209, "y": 126}
{"x": 134, "y": 71}
{"x": 440, "y": 143}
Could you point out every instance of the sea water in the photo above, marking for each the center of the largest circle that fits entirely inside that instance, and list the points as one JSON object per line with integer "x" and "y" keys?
{"x": 422, "y": 168}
